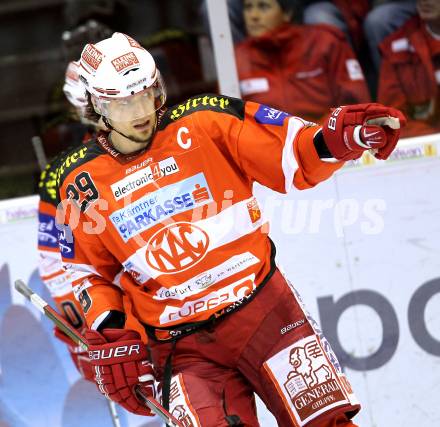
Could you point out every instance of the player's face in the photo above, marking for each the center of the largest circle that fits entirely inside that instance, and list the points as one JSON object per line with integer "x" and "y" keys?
{"x": 429, "y": 10}
{"x": 261, "y": 16}
{"x": 134, "y": 116}
{"x": 139, "y": 130}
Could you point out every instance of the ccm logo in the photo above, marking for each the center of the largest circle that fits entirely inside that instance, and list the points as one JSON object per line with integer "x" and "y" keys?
{"x": 121, "y": 351}
{"x": 333, "y": 118}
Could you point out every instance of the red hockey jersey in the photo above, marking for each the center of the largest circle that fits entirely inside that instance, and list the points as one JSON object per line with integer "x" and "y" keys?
{"x": 180, "y": 216}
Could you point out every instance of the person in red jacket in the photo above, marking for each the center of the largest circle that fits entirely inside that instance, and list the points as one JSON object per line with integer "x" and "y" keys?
{"x": 301, "y": 69}
{"x": 410, "y": 71}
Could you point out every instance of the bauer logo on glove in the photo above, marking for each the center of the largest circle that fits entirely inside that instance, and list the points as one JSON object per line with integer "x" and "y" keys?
{"x": 350, "y": 130}
{"x": 121, "y": 351}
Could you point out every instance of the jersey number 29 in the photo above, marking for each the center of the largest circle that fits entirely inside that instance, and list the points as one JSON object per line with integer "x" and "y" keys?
{"x": 83, "y": 191}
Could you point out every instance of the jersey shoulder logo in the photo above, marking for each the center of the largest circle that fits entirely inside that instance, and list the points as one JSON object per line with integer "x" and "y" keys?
{"x": 76, "y": 157}
{"x": 204, "y": 102}
{"x": 270, "y": 116}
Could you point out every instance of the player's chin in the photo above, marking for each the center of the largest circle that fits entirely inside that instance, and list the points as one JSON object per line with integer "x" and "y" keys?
{"x": 142, "y": 137}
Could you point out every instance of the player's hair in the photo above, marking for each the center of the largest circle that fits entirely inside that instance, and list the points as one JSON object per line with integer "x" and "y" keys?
{"x": 89, "y": 110}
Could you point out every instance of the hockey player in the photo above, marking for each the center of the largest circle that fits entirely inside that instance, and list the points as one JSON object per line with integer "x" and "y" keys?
{"x": 56, "y": 279}
{"x": 167, "y": 195}
{"x": 51, "y": 270}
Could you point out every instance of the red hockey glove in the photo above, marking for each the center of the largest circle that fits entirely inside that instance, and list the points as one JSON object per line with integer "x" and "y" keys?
{"x": 79, "y": 356}
{"x": 120, "y": 360}
{"x": 350, "y": 130}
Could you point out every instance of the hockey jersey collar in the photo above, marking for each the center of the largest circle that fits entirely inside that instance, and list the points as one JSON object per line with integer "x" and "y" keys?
{"x": 104, "y": 142}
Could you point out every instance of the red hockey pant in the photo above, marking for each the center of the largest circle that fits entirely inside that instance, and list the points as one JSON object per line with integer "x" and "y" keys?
{"x": 272, "y": 347}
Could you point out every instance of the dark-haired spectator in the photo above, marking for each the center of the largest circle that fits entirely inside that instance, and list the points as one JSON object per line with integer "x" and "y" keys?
{"x": 410, "y": 70}
{"x": 347, "y": 15}
{"x": 301, "y": 69}
{"x": 385, "y": 17}
{"x": 362, "y": 21}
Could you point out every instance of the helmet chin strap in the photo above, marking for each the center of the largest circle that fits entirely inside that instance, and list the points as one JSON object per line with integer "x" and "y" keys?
{"x": 109, "y": 126}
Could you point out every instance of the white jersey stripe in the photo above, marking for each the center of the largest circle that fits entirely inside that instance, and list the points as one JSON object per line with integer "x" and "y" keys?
{"x": 228, "y": 225}
{"x": 82, "y": 268}
{"x": 288, "y": 162}
{"x": 59, "y": 285}
{"x": 207, "y": 278}
{"x": 49, "y": 262}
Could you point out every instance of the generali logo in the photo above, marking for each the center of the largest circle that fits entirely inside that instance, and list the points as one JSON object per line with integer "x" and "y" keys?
{"x": 121, "y": 63}
{"x": 177, "y": 247}
{"x": 311, "y": 384}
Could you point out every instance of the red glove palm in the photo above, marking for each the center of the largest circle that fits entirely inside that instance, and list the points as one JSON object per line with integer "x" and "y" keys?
{"x": 120, "y": 360}
{"x": 350, "y": 130}
{"x": 79, "y": 357}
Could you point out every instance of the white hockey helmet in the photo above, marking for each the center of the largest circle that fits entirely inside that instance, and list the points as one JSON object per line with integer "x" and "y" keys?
{"x": 73, "y": 87}
{"x": 122, "y": 78}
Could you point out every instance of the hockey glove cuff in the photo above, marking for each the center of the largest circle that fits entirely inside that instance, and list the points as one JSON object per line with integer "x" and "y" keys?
{"x": 120, "y": 362}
